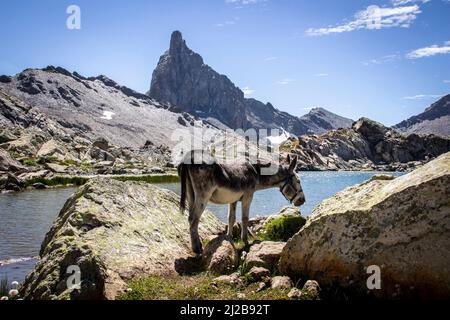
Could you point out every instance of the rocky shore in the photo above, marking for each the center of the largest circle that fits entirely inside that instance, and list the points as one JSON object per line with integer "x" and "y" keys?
{"x": 367, "y": 146}
{"x": 35, "y": 149}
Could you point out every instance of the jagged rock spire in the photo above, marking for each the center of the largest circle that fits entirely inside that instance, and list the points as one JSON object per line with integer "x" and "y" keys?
{"x": 176, "y": 42}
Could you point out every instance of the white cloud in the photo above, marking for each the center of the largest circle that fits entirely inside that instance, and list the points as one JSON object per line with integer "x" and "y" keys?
{"x": 228, "y": 23}
{"x": 381, "y": 60}
{"x": 403, "y": 2}
{"x": 373, "y": 18}
{"x": 423, "y": 96}
{"x": 321, "y": 75}
{"x": 429, "y": 51}
{"x": 270, "y": 58}
{"x": 247, "y": 91}
{"x": 285, "y": 81}
{"x": 244, "y": 2}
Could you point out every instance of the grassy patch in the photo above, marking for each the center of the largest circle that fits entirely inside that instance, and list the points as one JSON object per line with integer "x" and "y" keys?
{"x": 164, "y": 178}
{"x": 282, "y": 228}
{"x": 58, "y": 181}
{"x": 30, "y": 162}
{"x": 198, "y": 287}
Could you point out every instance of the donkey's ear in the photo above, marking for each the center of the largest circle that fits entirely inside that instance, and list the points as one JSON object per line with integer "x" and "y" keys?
{"x": 288, "y": 159}
{"x": 293, "y": 163}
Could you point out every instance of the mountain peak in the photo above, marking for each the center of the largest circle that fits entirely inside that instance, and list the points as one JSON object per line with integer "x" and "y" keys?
{"x": 176, "y": 42}
{"x": 182, "y": 79}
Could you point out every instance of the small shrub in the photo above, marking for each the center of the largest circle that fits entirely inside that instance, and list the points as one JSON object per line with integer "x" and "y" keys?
{"x": 282, "y": 228}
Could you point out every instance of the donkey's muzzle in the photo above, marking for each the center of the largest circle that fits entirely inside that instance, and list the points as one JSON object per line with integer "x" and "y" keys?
{"x": 299, "y": 199}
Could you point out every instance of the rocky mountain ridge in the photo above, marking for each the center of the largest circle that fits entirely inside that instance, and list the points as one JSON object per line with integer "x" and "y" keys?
{"x": 182, "y": 79}
{"x": 434, "y": 120}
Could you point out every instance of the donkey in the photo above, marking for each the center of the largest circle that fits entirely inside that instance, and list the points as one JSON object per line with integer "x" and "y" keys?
{"x": 229, "y": 184}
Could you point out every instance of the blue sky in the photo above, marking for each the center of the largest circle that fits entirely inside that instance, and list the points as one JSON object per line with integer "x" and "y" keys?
{"x": 386, "y": 60}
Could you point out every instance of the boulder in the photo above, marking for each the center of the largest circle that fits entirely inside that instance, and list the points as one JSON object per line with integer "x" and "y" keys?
{"x": 57, "y": 168}
{"x": 8, "y": 164}
{"x": 400, "y": 226}
{"x": 311, "y": 288}
{"x": 281, "y": 283}
{"x": 264, "y": 254}
{"x": 258, "y": 273}
{"x": 51, "y": 149}
{"x": 113, "y": 232}
{"x": 220, "y": 255}
{"x": 101, "y": 143}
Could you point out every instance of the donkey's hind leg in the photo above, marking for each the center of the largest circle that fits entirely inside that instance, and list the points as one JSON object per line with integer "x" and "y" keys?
{"x": 246, "y": 201}
{"x": 231, "y": 218}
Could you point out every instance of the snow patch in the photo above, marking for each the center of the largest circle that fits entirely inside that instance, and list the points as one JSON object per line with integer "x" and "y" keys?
{"x": 107, "y": 115}
{"x": 277, "y": 140}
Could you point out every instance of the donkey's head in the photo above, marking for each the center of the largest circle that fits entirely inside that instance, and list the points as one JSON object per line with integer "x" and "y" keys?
{"x": 290, "y": 186}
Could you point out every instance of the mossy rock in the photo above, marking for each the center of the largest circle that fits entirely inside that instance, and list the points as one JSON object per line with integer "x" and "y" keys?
{"x": 282, "y": 228}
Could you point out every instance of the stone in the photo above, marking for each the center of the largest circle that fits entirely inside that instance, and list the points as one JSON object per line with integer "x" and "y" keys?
{"x": 398, "y": 226}
{"x": 312, "y": 288}
{"x": 8, "y": 164}
{"x": 114, "y": 232}
{"x": 51, "y": 149}
{"x": 258, "y": 273}
{"x": 57, "y": 168}
{"x": 220, "y": 255}
{"x": 264, "y": 254}
{"x": 295, "y": 294}
{"x": 261, "y": 286}
{"x": 281, "y": 283}
{"x": 39, "y": 186}
{"x": 101, "y": 143}
{"x": 232, "y": 279}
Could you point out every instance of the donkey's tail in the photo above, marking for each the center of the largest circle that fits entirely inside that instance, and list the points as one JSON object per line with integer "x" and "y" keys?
{"x": 182, "y": 173}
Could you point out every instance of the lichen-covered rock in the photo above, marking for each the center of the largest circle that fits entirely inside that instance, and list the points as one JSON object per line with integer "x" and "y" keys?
{"x": 401, "y": 225}
{"x": 281, "y": 283}
{"x": 113, "y": 232}
{"x": 220, "y": 255}
{"x": 264, "y": 254}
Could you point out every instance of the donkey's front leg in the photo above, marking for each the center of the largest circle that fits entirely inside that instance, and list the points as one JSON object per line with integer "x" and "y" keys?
{"x": 231, "y": 218}
{"x": 246, "y": 201}
{"x": 195, "y": 212}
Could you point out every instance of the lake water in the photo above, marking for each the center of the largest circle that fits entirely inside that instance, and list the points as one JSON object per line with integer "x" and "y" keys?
{"x": 26, "y": 217}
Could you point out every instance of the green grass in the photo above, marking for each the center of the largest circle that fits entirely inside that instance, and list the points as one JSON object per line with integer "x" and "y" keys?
{"x": 165, "y": 178}
{"x": 198, "y": 287}
{"x": 30, "y": 162}
{"x": 282, "y": 228}
{"x": 58, "y": 181}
